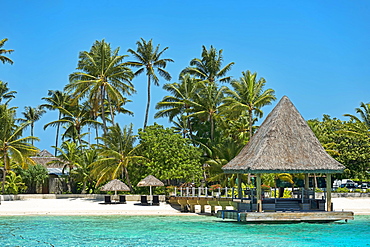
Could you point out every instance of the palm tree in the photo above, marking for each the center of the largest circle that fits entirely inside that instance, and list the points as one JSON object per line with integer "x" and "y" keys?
{"x": 181, "y": 126}
{"x": 221, "y": 154}
{"x": 209, "y": 67}
{"x": 148, "y": 60}
{"x": 83, "y": 168}
{"x": 70, "y": 156}
{"x": 175, "y": 104}
{"x": 363, "y": 129}
{"x": 5, "y": 94}
{"x": 5, "y": 59}
{"x": 32, "y": 114}
{"x": 75, "y": 120}
{"x": 56, "y": 100}
{"x": 117, "y": 153}
{"x": 248, "y": 95}
{"x": 12, "y": 145}
{"x": 205, "y": 106}
{"x": 103, "y": 78}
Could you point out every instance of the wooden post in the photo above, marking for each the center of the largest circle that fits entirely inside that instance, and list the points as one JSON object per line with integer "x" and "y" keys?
{"x": 259, "y": 194}
{"x": 328, "y": 192}
{"x": 306, "y": 185}
{"x": 239, "y": 177}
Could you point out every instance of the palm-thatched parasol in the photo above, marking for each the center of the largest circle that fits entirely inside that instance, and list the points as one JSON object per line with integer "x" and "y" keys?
{"x": 115, "y": 185}
{"x": 150, "y": 181}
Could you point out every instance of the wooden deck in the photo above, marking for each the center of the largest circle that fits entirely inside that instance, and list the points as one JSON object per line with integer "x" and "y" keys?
{"x": 285, "y": 217}
{"x": 275, "y": 211}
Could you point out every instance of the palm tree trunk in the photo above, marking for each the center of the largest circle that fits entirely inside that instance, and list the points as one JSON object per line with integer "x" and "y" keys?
{"x": 111, "y": 110}
{"x": 57, "y": 135}
{"x": 250, "y": 137}
{"x": 250, "y": 125}
{"x": 147, "y": 105}
{"x": 97, "y": 135}
{"x": 128, "y": 179}
{"x": 84, "y": 187}
{"x": 32, "y": 133}
{"x": 212, "y": 127}
{"x": 4, "y": 173}
{"x": 103, "y": 109}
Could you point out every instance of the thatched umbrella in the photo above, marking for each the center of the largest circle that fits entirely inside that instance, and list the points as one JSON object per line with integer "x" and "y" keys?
{"x": 150, "y": 181}
{"x": 115, "y": 185}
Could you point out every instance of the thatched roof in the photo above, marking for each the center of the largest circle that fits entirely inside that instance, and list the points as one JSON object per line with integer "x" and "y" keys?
{"x": 48, "y": 160}
{"x": 283, "y": 143}
{"x": 115, "y": 185}
{"x": 150, "y": 181}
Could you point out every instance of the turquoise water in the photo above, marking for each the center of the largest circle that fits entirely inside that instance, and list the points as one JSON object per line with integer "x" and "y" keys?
{"x": 175, "y": 231}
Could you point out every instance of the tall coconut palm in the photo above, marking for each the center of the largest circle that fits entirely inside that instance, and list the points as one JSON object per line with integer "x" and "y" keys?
{"x": 32, "y": 115}
{"x": 149, "y": 59}
{"x": 175, "y": 104}
{"x": 13, "y": 147}
{"x": 56, "y": 100}
{"x": 3, "y": 58}
{"x": 209, "y": 67}
{"x": 74, "y": 120}
{"x": 248, "y": 95}
{"x": 102, "y": 78}
{"x": 5, "y": 94}
{"x": 205, "y": 106}
{"x": 117, "y": 153}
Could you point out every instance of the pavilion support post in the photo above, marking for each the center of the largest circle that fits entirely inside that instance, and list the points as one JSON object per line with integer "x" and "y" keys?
{"x": 306, "y": 185}
{"x": 328, "y": 192}
{"x": 259, "y": 194}
{"x": 239, "y": 178}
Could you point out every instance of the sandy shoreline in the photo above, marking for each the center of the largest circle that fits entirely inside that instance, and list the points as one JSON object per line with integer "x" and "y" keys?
{"x": 79, "y": 206}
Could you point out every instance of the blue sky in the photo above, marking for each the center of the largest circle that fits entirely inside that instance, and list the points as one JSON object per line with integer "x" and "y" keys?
{"x": 315, "y": 52}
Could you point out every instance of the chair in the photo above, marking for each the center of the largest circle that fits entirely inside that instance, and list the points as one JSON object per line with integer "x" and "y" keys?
{"x": 122, "y": 199}
{"x": 155, "y": 200}
{"x": 144, "y": 200}
{"x": 107, "y": 200}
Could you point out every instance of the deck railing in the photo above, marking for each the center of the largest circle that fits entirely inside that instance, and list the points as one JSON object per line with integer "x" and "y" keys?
{"x": 204, "y": 192}
{"x": 233, "y": 193}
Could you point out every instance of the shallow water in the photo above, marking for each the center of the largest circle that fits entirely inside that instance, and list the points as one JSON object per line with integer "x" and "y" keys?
{"x": 175, "y": 231}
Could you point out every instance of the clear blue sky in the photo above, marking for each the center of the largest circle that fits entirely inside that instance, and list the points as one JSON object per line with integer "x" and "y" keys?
{"x": 315, "y": 52}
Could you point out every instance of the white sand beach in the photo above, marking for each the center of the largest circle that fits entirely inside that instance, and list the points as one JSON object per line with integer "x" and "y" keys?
{"x": 79, "y": 206}
{"x": 360, "y": 206}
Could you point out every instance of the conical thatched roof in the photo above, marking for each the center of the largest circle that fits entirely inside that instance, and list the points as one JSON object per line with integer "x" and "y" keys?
{"x": 115, "y": 185}
{"x": 48, "y": 160}
{"x": 283, "y": 143}
{"x": 150, "y": 181}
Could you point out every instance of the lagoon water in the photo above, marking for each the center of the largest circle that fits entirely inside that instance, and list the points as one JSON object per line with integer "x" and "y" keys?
{"x": 175, "y": 231}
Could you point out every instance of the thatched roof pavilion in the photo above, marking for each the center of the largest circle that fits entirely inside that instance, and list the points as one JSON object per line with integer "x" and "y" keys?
{"x": 46, "y": 159}
{"x": 283, "y": 143}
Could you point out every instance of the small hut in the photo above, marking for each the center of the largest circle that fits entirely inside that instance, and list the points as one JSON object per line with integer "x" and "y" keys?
{"x": 284, "y": 143}
{"x": 55, "y": 171}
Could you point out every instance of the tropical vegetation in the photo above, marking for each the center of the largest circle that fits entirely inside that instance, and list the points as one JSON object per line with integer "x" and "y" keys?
{"x": 211, "y": 115}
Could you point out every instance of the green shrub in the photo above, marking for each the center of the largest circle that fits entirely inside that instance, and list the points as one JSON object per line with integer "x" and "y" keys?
{"x": 317, "y": 190}
{"x": 368, "y": 190}
{"x": 358, "y": 190}
{"x": 342, "y": 190}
